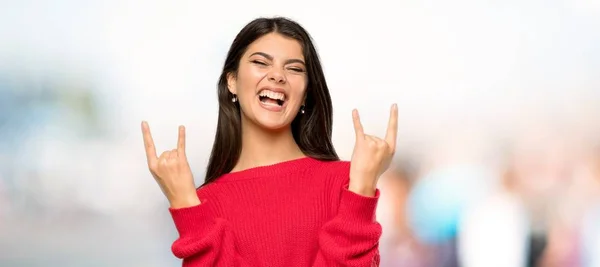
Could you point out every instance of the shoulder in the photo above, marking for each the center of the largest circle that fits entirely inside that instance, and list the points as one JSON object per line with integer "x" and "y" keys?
{"x": 334, "y": 166}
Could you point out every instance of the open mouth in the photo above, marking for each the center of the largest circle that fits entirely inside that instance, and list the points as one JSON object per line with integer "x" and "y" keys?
{"x": 269, "y": 97}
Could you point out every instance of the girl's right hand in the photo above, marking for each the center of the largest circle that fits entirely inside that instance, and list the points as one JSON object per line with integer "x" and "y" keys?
{"x": 171, "y": 170}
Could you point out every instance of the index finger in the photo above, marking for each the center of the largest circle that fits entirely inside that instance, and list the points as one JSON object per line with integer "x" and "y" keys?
{"x": 148, "y": 143}
{"x": 358, "y": 129}
{"x": 392, "y": 131}
{"x": 181, "y": 141}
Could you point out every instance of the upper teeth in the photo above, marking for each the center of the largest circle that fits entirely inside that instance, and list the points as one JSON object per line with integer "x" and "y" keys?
{"x": 272, "y": 95}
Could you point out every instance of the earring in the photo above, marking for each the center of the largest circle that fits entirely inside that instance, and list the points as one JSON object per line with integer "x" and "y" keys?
{"x": 234, "y": 99}
{"x": 302, "y": 109}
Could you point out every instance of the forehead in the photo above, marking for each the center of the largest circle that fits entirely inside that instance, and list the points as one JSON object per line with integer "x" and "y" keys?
{"x": 276, "y": 45}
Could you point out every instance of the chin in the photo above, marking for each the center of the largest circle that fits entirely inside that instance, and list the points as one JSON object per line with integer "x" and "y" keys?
{"x": 272, "y": 124}
{"x": 271, "y": 120}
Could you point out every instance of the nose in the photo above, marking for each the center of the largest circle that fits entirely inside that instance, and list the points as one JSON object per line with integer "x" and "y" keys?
{"x": 276, "y": 76}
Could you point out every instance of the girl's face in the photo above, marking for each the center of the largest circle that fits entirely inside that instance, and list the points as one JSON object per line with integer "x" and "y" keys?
{"x": 271, "y": 81}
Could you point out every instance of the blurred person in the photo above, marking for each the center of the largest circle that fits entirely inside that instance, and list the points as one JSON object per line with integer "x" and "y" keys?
{"x": 493, "y": 233}
{"x": 589, "y": 225}
{"x": 438, "y": 201}
{"x": 275, "y": 191}
{"x": 399, "y": 246}
{"x": 566, "y": 233}
{"x": 547, "y": 178}
{"x": 540, "y": 168}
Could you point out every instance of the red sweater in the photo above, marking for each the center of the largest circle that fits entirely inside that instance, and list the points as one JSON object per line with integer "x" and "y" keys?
{"x": 293, "y": 213}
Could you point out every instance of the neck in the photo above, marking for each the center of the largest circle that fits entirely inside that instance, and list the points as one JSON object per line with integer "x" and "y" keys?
{"x": 262, "y": 147}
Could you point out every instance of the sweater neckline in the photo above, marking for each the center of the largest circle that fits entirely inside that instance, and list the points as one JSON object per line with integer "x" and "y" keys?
{"x": 275, "y": 169}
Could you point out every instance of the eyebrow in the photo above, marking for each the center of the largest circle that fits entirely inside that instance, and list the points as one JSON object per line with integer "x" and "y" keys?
{"x": 269, "y": 57}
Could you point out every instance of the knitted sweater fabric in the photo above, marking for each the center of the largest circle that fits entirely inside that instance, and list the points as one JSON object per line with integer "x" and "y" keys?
{"x": 293, "y": 213}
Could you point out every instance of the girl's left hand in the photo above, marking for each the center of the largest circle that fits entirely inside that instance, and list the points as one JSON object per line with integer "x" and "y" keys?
{"x": 371, "y": 156}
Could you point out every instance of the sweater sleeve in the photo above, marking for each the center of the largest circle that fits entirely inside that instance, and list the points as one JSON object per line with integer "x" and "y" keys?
{"x": 204, "y": 239}
{"x": 351, "y": 238}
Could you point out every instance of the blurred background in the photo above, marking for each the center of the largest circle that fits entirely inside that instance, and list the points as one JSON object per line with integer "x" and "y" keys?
{"x": 499, "y": 143}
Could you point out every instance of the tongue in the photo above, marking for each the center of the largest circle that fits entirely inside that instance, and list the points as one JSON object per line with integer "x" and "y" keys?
{"x": 270, "y": 101}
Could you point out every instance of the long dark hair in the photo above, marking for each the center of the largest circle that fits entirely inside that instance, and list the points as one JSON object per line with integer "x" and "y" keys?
{"x": 311, "y": 130}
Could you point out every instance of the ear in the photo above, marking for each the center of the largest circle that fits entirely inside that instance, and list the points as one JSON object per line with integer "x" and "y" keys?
{"x": 231, "y": 83}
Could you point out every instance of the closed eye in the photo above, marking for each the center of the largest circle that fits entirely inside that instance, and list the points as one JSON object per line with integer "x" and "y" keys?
{"x": 297, "y": 69}
{"x": 258, "y": 62}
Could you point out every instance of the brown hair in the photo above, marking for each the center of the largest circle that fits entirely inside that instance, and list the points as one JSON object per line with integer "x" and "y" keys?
{"x": 311, "y": 130}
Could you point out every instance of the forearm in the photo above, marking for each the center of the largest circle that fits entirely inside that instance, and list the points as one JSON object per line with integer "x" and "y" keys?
{"x": 351, "y": 238}
{"x": 204, "y": 239}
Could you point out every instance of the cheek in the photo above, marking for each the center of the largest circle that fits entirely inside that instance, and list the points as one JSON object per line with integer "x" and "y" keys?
{"x": 298, "y": 86}
{"x": 248, "y": 79}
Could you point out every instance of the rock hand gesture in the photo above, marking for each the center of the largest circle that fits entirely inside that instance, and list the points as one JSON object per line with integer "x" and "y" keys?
{"x": 171, "y": 170}
{"x": 371, "y": 156}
